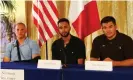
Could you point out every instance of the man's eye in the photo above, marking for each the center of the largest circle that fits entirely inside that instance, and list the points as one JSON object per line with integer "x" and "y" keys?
{"x": 60, "y": 27}
{"x": 104, "y": 27}
{"x": 110, "y": 26}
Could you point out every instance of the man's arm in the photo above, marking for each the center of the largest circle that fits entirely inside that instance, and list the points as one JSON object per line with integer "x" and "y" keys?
{"x": 35, "y": 51}
{"x": 81, "y": 52}
{"x": 94, "y": 59}
{"x": 7, "y": 54}
{"x": 54, "y": 48}
{"x": 6, "y": 59}
{"x": 95, "y": 51}
{"x": 35, "y": 55}
{"x": 127, "y": 62}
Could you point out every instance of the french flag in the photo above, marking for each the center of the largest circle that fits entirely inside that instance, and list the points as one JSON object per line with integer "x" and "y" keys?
{"x": 84, "y": 17}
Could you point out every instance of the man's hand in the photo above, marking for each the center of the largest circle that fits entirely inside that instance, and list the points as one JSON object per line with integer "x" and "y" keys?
{"x": 6, "y": 59}
{"x": 127, "y": 62}
{"x": 35, "y": 55}
{"x": 81, "y": 61}
{"x": 107, "y": 59}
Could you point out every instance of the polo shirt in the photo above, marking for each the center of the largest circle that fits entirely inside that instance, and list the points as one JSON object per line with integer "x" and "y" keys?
{"x": 27, "y": 49}
{"x": 70, "y": 54}
{"x": 118, "y": 49}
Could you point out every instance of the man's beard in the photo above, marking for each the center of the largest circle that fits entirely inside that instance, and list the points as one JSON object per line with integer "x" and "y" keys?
{"x": 64, "y": 35}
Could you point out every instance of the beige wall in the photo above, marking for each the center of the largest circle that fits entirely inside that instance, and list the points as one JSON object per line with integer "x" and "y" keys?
{"x": 20, "y": 11}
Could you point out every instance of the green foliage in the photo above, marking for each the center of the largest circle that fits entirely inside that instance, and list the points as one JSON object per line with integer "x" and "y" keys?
{"x": 7, "y": 5}
{"x": 5, "y": 16}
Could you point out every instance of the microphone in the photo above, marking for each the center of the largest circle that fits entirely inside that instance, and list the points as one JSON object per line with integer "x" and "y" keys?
{"x": 64, "y": 60}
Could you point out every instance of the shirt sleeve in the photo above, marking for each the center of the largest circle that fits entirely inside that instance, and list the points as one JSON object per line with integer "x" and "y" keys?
{"x": 35, "y": 47}
{"x": 81, "y": 50}
{"x": 95, "y": 51}
{"x": 8, "y": 50}
{"x": 128, "y": 49}
{"x": 54, "y": 56}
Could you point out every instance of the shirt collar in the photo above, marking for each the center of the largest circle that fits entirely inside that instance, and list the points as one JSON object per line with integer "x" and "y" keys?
{"x": 25, "y": 41}
{"x": 62, "y": 41}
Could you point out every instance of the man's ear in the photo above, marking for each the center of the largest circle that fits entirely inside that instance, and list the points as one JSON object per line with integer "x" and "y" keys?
{"x": 26, "y": 30}
{"x": 69, "y": 27}
{"x": 101, "y": 27}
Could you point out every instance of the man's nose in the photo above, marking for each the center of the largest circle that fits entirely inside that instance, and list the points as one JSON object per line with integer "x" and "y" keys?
{"x": 107, "y": 29}
{"x": 19, "y": 31}
{"x": 63, "y": 29}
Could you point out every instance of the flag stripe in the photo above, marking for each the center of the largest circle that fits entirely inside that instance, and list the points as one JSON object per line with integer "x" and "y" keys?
{"x": 40, "y": 25}
{"x": 50, "y": 10}
{"x": 43, "y": 21}
{"x": 49, "y": 16}
{"x": 53, "y": 8}
{"x": 40, "y": 43}
{"x": 40, "y": 40}
{"x": 45, "y": 16}
{"x": 48, "y": 22}
{"x": 40, "y": 30}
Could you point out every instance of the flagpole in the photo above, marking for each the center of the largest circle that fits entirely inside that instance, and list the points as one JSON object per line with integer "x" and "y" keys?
{"x": 46, "y": 51}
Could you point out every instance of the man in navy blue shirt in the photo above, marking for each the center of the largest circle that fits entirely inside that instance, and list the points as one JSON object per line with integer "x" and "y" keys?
{"x": 69, "y": 49}
{"x": 112, "y": 45}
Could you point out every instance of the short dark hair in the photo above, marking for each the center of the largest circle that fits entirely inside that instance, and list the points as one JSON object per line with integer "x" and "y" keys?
{"x": 108, "y": 19}
{"x": 63, "y": 20}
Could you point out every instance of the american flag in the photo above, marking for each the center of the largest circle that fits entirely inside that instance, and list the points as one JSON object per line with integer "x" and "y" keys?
{"x": 45, "y": 16}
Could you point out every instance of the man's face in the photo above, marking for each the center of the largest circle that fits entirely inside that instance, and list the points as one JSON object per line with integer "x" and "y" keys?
{"x": 109, "y": 29}
{"x": 20, "y": 31}
{"x": 64, "y": 29}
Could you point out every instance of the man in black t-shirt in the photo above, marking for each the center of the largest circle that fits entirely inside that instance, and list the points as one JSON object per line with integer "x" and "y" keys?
{"x": 112, "y": 45}
{"x": 69, "y": 49}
